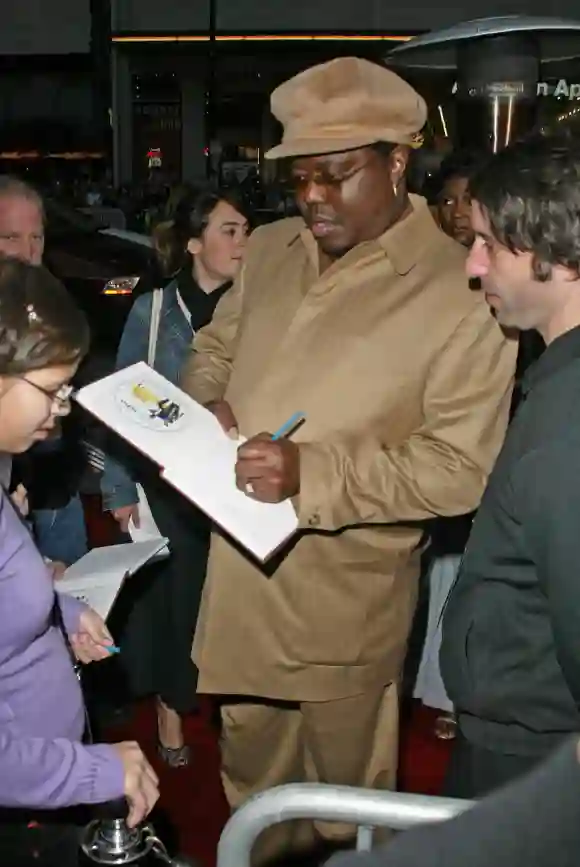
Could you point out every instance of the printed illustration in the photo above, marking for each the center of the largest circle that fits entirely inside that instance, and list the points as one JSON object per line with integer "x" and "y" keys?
{"x": 166, "y": 410}
{"x": 150, "y": 408}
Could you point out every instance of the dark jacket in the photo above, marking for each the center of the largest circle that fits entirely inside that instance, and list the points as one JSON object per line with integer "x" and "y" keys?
{"x": 531, "y": 823}
{"x": 510, "y": 654}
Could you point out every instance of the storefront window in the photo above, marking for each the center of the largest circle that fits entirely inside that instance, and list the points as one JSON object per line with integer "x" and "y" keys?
{"x": 157, "y": 126}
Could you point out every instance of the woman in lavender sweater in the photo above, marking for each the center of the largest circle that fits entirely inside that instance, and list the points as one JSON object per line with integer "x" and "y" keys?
{"x": 45, "y": 765}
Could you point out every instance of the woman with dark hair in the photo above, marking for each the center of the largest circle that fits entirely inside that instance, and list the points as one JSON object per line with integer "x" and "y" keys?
{"x": 44, "y": 764}
{"x": 448, "y": 193}
{"x": 200, "y": 248}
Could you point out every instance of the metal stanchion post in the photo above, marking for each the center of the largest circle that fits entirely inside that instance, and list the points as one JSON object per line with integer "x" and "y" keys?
{"x": 108, "y": 840}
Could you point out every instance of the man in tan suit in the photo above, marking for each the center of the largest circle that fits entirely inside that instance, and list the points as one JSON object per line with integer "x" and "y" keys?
{"x": 358, "y": 314}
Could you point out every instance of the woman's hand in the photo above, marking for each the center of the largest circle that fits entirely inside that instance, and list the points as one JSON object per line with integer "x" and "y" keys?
{"x": 92, "y": 642}
{"x": 141, "y": 782}
{"x": 125, "y": 514}
{"x": 58, "y": 568}
{"x": 19, "y": 498}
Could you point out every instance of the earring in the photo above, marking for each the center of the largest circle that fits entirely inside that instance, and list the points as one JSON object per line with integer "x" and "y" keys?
{"x": 395, "y": 190}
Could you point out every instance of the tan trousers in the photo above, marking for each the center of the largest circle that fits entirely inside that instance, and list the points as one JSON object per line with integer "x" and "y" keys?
{"x": 351, "y": 742}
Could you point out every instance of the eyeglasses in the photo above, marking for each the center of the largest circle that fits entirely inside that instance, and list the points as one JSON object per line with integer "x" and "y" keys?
{"x": 325, "y": 178}
{"x": 60, "y": 396}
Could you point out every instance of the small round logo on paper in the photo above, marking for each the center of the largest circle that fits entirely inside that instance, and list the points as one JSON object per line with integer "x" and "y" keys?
{"x": 149, "y": 407}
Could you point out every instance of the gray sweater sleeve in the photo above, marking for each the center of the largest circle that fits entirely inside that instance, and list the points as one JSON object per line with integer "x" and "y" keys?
{"x": 533, "y": 822}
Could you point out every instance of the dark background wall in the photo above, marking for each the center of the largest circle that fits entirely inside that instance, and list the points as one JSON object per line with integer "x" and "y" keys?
{"x": 45, "y": 27}
{"x": 63, "y": 26}
{"x": 384, "y": 15}
{"x": 355, "y": 15}
{"x": 161, "y": 16}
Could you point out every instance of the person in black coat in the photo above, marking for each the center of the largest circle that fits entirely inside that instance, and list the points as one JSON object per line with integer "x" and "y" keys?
{"x": 530, "y": 823}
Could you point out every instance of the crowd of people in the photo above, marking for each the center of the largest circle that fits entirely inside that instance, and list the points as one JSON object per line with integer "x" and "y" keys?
{"x": 392, "y": 322}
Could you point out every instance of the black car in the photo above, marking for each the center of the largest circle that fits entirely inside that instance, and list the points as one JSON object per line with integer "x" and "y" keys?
{"x": 103, "y": 268}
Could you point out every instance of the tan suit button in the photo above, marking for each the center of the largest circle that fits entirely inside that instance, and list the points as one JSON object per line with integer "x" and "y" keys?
{"x": 314, "y": 520}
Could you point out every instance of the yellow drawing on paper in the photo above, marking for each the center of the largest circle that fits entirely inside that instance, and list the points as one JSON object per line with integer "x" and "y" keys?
{"x": 163, "y": 409}
{"x": 143, "y": 394}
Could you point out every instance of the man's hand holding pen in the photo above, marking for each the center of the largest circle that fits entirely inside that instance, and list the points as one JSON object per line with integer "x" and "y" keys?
{"x": 268, "y": 465}
{"x": 268, "y": 469}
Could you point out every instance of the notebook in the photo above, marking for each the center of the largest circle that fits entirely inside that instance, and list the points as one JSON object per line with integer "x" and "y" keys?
{"x": 98, "y": 576}
{"x": 193, "y": 452}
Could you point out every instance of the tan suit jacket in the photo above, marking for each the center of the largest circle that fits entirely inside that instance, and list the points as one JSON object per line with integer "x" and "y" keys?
{"x": 405, "y": 379}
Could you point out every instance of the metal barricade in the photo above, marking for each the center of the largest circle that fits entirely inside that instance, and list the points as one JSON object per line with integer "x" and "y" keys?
{"x": 366, "y": 808}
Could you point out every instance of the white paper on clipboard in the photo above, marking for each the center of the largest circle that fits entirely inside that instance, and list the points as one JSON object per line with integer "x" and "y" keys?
{"x": 194, "y": 454}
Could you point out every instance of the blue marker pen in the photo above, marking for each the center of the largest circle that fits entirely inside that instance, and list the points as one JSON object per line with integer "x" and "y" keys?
{"x": 112, "y": 649}
{"x": 289, "y": 425}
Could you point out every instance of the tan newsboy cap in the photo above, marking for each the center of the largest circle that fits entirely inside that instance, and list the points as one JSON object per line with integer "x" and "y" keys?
{"x": 345, "y": 103}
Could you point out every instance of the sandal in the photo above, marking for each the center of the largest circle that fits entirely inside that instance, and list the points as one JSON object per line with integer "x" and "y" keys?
{"x": 174, "y": 757}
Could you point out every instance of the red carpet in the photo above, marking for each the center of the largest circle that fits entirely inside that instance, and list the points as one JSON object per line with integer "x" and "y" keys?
{"x": 423, "y": 757}
{"x": 192, "y": 798}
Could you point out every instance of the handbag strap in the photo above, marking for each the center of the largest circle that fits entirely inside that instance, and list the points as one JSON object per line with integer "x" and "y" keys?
{"x": 183, "y": 308}
{"x": 58, "y": 621}
{"x": 156, "y": 303}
